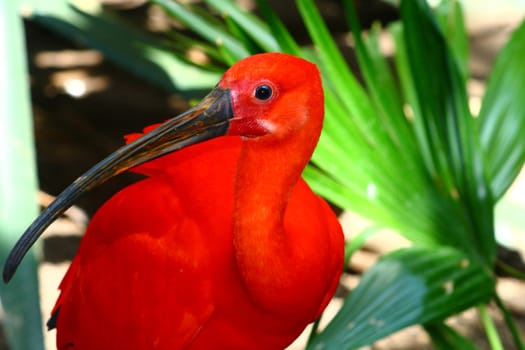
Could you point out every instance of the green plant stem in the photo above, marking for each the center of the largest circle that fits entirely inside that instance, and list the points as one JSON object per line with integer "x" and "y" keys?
{"x": 492, "y": 334}
{"x": 511, "y": 271}
{"x": 313, "y": 333}
{"x": 509, "y": 320}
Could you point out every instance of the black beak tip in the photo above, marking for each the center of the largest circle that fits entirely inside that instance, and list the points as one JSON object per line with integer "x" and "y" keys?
{"x": 11, "y": 264}
{"x": 8, "y": 273}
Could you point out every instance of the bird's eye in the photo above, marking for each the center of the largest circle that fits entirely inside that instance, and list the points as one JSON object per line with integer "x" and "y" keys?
{"x": 263, "y": 92}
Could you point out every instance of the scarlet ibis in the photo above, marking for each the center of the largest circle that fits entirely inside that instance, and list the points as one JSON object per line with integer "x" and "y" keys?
{"x": 222, "y": 245}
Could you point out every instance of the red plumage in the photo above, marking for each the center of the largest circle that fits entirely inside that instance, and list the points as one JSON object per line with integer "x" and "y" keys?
{"x": 222, "y": 245}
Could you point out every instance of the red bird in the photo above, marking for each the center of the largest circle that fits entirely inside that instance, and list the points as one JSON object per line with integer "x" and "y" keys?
{"x": 222, "y": 245}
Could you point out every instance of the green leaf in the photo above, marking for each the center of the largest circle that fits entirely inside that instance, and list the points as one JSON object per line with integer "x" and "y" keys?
{"x": 490, "y": 328}
{"x": 502, "y": 115}
{"x": 442, "y": 98}
{"x": 450, "y": 18}
{"x": 410, "y": 97}
{"x": 409, "y": 286}
{"x": 238, "y": 32}
{"x": 373, "y": 157}
{"x": 356, "y": 152}
{"x": 359, "y": 241}
{"x": 446, "y": 338}
{"x": 450, "y": 131}
{"x": 382, "y": 89}
{"x": 511, "y": 323}
{"x": 281, "y": 34}
{"x": 206, "y": 29}
{"x": 21, "y": 317}
{"x": 253, "y": 26}
{"x": 127, "y": 46}
{"x": 333, "y": 65}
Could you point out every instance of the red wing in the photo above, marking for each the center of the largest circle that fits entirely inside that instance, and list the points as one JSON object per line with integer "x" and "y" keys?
{"x": 308, "y": 215}
{"x": 136, "y": 268}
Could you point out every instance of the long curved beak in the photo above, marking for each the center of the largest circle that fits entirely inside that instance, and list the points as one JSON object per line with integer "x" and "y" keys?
{"x": 209, "y": 119}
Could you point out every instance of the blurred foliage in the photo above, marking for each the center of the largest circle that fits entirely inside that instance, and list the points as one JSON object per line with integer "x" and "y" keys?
{"x": 400, "y": 147}
{"x": 21, "y": 318}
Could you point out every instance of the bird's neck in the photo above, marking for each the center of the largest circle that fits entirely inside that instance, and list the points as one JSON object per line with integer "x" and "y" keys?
{"x": 264, "y": 181}
{"x": 264, "y": 249}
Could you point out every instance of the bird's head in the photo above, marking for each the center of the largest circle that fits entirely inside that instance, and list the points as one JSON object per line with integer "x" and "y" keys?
{"x": 274, "y": 96}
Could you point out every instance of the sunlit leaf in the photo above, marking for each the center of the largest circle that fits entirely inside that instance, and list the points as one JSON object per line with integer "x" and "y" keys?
{"x": 382, "y": 87}
{"x": 449, "y": 128}
{"x": 502, "y": 115}
{"x": 338, "y": 74}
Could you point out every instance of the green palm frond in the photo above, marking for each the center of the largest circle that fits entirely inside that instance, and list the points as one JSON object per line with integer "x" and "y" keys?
{"x": 21, "y": 317}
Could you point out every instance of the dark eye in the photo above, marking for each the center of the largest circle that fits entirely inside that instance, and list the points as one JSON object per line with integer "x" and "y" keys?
{"x": 263, "y": 92}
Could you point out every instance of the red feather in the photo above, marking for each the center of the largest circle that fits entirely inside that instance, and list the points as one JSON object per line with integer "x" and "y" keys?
{"x": 222, "y": 246}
